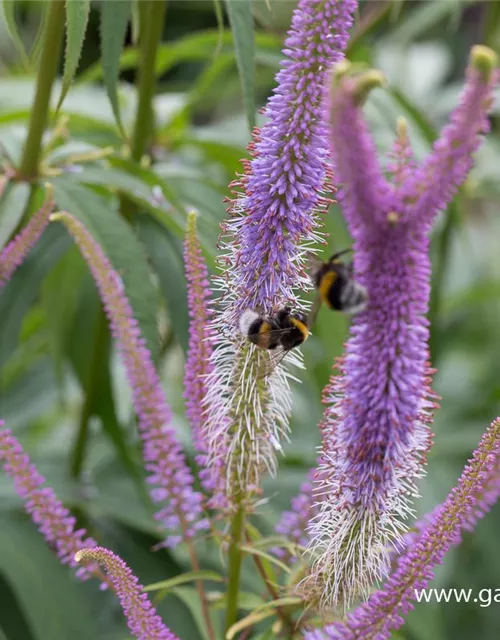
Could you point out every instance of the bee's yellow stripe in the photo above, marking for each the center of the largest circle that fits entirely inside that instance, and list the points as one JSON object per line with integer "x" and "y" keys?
{"x": 301, "y": 326}
{"x": 327, "y": 282}
{"x": 265, "y": 327}
{"x": 264, "y": 339}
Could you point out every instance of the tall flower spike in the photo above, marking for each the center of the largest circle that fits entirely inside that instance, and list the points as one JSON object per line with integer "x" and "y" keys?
{"x": 53, "y": 520}
{"x": 142, "y": 619}
{"x": 16, "y": 251}
{"x": 162, "y": 451}
{"x": 376, "y": 435}
{"x": 451, "y": 159}
{"x": 477, "y": 490}
{"x": 264, "y": 243}
{"x": 198, "y": 364}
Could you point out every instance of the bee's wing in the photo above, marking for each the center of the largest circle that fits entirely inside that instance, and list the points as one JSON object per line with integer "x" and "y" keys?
{"x": 316, "y": 305}
{"x": 275, "y": 358}
{"x": 313, "y": 263}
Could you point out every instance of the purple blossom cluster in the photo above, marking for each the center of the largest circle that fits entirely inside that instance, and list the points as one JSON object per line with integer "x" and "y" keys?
{"x": 476, "y": 491}
{"x": 143, "y": 621}
{"x": 199, "y": 365}
{"x": 16, "y": 251}
{"x": 353, "y": 510}
{"x": 375, "y": 429}
{"x": 163, "y": 455}
{"x": 264, "y": 244}
{"x": 275, "y": 215}
{"x": 53, "y": 520}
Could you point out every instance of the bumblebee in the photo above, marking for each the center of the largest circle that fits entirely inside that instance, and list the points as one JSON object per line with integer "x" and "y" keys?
{"x": 284, "y": 329}
{"x": 278, "y": 333}
{"x": 334, "y": 280}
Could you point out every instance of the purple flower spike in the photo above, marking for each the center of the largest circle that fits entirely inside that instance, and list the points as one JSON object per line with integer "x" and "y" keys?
{"x": 143, "y": 621}
{"x": 16, "y": 251}
{"x": 53, "y": 520}
{"x": 288, "y": 172}
{"x": 477, "y": 490}
{"x": 162, "y": 451}
{"x": 200, "y": 348}
{"x": 451, "y": 159}
{"x": 198, "y": 364}
{"x": 264, "y": 245}
{"x": 375, "y": 433}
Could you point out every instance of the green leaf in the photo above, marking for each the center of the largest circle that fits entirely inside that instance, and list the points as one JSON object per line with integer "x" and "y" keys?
{"x": 135, "y": 20}
{"x": 90, "y": 358}
{"x": 240, "y": 17}
{"x": 247, "y": 601}
{"x": 22, "y": 290}
{"x": 77, "y": 15}
{"x": 219, "y": 16}
{"x": 138, "y": 183}
{"x": 37, "y": 47}
{"x": 29, "y": 566}
{"x": 8, "y": 15}
{"x": 12, "y": 205}
{"x": 189, "y": 596}
{"x": 262, "y": 554}
{"x": 166, "y": 585}
{"x": 197, "y": 46}
{"x": 121, "y": 246}
{"x": 248, "y": 621}
{"x": 165, "y": 252}
{"x": 114, "y": 20}
{"x": 59, "y": 299}
{"x": 30, "y": 395}
{"x": 422, "y": 18}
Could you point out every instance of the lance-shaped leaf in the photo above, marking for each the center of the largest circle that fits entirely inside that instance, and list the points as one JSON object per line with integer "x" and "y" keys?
{"x": 77, "y": 15}
{"x": 114, "y": 20}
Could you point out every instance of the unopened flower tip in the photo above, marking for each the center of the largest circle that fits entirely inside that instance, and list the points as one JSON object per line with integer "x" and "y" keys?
{"x": 484, "y": 59}
{"x": 365, "y": 83}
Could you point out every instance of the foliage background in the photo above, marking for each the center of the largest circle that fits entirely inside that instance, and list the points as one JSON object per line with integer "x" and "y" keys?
{"x": 63, "y": 391}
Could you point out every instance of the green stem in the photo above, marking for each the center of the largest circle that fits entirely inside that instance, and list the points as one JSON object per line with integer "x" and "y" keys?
{"x": 152, "y": 18}
{"x": 439, "y": 273}
{"x": 47, "y": 71}
{"x": 286, "y": 619}
{"x": 201, "y": 591}
{"x": 99, "y": 357}
{"x": 492, "y": 26}
{"x": 234, "y": 568}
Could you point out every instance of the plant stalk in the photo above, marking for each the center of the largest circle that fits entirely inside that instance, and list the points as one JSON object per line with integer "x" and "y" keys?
{"x": 152, "y": 17}
{"x": 286, "y": 619}
{"x": 99, "y": 359}
{"x": 234, "y": 566}
{"x": 47, "y": 71}
{"x": 201, "y": 591}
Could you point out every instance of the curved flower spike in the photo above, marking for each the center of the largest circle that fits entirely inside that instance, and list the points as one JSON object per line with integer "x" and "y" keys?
{"x": 477, "y": 490}
{"x": 142, "y": 619}
{"x": 16, "y": 251}
{"x": 436, "y": 181}
{"x": 162, "y": 451}
{"x": 53, "y": 520}
{"x": 375, "y": 433}
{"x": 198, "y": 364}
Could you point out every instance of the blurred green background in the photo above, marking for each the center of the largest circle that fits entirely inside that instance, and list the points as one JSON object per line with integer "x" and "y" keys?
{"x": 69, "y": 403}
